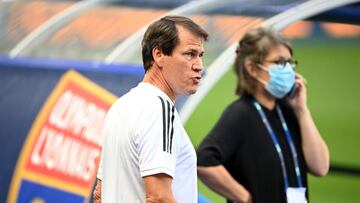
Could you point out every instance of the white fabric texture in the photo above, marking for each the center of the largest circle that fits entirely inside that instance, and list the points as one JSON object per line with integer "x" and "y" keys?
{"x": 143, "y": 136}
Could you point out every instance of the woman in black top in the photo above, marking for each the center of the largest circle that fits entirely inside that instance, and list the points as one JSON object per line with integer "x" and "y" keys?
{"x": 265, "y": 142}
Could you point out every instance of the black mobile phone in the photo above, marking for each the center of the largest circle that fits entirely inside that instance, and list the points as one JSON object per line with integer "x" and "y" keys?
{"x": 292, "y": 92}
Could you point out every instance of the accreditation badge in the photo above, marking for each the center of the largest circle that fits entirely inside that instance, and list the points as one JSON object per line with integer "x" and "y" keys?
{"x": 296, "y": 195}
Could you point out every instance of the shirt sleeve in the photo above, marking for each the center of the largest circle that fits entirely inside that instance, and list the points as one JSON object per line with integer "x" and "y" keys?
{"x": 223, "y": 140}
{"x": 155, "y": 139}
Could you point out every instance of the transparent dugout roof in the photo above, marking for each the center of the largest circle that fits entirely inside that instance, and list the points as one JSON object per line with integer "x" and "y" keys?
{"x": 95, "y": 30}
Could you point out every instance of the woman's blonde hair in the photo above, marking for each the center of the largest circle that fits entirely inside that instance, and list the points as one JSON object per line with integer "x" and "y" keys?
{"x": 255, "y": 46}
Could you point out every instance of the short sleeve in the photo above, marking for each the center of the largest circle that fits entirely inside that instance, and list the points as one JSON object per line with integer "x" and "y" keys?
{"x": 155, "y": 141}
{"x": 223, "y": 140}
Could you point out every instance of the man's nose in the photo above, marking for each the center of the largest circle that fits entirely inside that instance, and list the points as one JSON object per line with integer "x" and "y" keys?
{"x": 198, "y": 64}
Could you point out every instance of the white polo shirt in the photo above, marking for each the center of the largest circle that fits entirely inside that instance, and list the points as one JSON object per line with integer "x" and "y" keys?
{"x": 143, "y": 136}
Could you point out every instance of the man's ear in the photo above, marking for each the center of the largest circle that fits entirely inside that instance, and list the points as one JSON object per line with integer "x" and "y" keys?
{"x": 158, "y": 56}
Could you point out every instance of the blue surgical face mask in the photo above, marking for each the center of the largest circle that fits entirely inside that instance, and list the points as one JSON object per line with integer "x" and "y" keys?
{"x": 282, "y": 79}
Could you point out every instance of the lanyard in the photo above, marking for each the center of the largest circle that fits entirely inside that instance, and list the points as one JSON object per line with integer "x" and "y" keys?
{"x": 277, "y": 145}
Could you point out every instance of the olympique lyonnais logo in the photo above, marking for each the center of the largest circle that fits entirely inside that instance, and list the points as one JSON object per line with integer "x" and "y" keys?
{"x": 60, "y": 156}
{"x": 68, "y": 144}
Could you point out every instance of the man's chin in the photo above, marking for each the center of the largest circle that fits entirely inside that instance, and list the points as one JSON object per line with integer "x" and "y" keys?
{"x": 192, "y": 91}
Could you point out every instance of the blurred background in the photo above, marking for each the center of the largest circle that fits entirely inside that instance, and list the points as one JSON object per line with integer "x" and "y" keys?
{"x": 92, "y": 49}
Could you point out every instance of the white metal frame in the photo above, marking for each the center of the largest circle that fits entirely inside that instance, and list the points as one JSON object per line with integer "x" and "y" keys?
{"x": 224, "y": 62}
{"x": 128, "y": 47}
{"x": 50, "y": 26}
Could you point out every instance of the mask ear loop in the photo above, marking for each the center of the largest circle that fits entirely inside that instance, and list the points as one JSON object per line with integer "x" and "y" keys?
{"x": 262, "y": 67}
{"x": 263, "y": 82}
